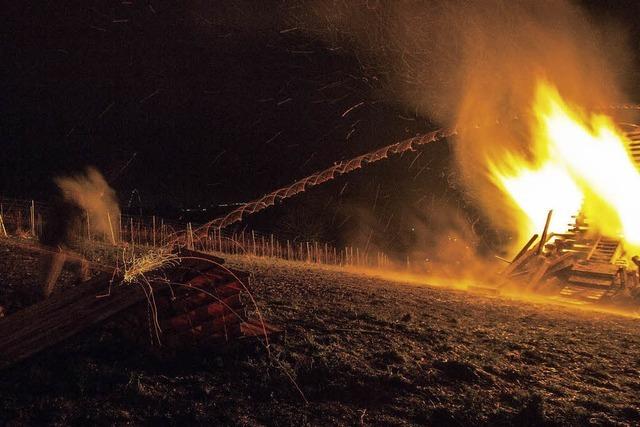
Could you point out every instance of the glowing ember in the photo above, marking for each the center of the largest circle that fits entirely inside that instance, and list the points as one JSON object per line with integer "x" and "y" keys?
{"x": 580, "y": 161}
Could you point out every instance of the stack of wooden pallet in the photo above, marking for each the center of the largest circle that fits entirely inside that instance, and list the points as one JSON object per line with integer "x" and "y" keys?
{"x": 576, "y": 265}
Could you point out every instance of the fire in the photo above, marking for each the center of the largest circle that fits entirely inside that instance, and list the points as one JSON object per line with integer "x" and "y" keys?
{"x": 579, "y": 162}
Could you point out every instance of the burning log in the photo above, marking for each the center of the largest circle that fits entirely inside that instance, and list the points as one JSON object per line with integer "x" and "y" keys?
{"x": 195, "y": 302}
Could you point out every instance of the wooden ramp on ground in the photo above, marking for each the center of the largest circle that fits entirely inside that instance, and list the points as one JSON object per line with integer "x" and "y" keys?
{"x": 198, "y": 302}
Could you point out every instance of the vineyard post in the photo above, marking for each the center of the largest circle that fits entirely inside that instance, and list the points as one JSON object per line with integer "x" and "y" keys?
{"x": 33, "y": 218}
{"x": 88, "y": 226}
{"x": 253, "y": 237}
{"x": 271, "y": 245}
{"x": 4, "y": 230}
{"x": 113, "y": 236}
{"x": 326, "y": 254}
{"x": 189, "y": 237}
{"x": 154, "y": 230}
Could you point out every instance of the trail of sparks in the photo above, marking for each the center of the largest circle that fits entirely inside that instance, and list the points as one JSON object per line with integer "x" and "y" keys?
{"x": 328, "y": 174}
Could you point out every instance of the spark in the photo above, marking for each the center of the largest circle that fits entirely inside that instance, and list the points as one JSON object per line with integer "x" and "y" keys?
{"x": 145, "y": 99}
{"x": 106, "y": 110}
{"x": 284, "y": 101}
{"x": 352, "y": 108}
{"x": 329, "y": 174}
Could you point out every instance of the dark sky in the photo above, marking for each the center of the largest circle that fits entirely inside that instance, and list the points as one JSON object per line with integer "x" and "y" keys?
{"x": 214, "y": 108}
{"x": 191, "y": 104}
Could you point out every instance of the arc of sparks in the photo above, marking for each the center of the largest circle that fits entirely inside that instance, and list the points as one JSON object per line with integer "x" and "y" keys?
{"x": 328, "y": 174}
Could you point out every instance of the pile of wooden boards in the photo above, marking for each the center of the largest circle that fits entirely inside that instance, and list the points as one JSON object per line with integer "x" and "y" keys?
{"x": 576, "y": 265}
{"x": 195, "y": 302}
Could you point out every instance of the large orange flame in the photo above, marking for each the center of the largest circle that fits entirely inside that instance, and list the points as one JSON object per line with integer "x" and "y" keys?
{"x": 580, "y": 162}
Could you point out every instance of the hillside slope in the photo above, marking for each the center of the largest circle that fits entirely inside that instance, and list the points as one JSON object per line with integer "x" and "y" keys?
{"x": 361, "y": 350}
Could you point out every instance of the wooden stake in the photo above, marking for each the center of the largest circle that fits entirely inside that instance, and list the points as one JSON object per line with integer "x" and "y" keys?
{"x": 253, "y": 237}
{"x": 189, "y": 236}
{"x": 154, "y": 230}
{"x": 113, "y": 236}
{"x": 4, "y": 230}
{"x": 88, "y": 226}
{"x": 33, "y": 218}
{"x": 271, "y": 245}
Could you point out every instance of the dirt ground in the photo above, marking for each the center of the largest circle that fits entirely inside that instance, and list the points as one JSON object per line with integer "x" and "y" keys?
{"x": 362, "y": 351}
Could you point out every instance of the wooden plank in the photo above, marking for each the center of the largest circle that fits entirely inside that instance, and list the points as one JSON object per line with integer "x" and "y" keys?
{"x": 60, "y": 317}
{"x": 561, "y": 262}
{"x": 520, "y": 262}
{"x": 525, "y": 248}
{"x": 543, "y": 238}
{"x": 599, "y": 269}
{"x": 540, "y": 272}
{"x": 68, "y": 313}
{"x": 590, "y": 281}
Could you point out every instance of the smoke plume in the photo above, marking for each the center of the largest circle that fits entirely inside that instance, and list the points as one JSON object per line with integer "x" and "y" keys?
{"x": 474, "y": 65}
{"x": 91, "y": 192}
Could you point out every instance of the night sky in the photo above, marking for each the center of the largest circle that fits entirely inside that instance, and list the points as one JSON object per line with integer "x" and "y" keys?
{"x": 208, "y": 103}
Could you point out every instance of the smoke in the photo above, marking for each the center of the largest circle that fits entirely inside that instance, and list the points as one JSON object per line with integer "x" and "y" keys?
{"x": 446, "y": 244}
{"x": 476, "y": 60}
{"x": 474, "y": 64}
{"x": 91, "y": 192}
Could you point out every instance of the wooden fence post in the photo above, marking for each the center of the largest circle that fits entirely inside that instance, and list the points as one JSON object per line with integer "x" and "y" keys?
{"x": 271, "y": 245}
{"x": 113, "y": 236}
{"x": 189, "y": 236}
{"x": 154, "y": 230}
{"x": 88, "y": 226}
{"x": 32, "y": 215}
{"x": 3, "y": 229}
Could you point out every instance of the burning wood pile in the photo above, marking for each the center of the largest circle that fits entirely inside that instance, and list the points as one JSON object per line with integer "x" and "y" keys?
{"x": 576, "y": 266}
{"x": 579, "y": 167}
{"x": 190, "y": 301}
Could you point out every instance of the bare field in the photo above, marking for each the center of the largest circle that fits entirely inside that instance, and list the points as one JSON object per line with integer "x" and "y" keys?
{"x": 362, "y": 351}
